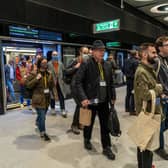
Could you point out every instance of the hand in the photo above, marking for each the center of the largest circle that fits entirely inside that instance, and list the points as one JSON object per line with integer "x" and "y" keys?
{"x": 163, "y": 96}
{"x": 85, "y": 103}
{"x": 159, "y": 88}
{"x": 77, "y": 65}
{"x": 113, "y": 101}
{"x": 38, "y": 76}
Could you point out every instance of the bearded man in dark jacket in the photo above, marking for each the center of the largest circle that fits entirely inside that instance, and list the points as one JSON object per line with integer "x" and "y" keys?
{"x": 162, "y": 47}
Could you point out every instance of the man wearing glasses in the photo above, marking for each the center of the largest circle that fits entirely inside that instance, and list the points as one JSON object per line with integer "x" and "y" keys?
{"x": 162, "y": 47}
{"x": 95, "y": 89}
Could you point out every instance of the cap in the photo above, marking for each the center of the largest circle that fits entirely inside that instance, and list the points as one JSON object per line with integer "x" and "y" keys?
{"x": 98, "y": 44}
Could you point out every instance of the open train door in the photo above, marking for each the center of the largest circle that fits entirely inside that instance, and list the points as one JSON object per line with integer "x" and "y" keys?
{"x": 2, "y": 83}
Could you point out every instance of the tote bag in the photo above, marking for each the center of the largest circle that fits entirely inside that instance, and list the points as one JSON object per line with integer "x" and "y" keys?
{"x": 144, "y": 132}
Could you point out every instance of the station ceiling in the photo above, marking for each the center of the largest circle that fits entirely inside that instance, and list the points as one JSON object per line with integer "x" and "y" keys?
{"x": 158, "y": 9}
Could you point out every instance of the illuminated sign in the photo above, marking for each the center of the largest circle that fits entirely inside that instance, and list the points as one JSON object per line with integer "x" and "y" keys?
{"x": 47, "y": 35}
{"x": 27, "y": 32}
{"x": 113, "y": 44}
{"x": 23, "y": 32}
{"x": 113, "y": 25}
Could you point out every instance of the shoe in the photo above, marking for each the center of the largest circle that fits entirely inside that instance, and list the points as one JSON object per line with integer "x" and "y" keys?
{"x": 75, "y": 130}
{"x": 64, "y": 114}
{"x": 162, "y": 153}
{"x": 29, "y": 108}
{"x": 45, "y": 137}
{"x": 133, "y": 113}
{"x": 80, "y": 127}
{"x": 87, "y": 144}
{"x": 33, "y": 110}
{"x": 21, "y": 106}
{"x": 52, "y": 111}
{"x": 108, "y": 153}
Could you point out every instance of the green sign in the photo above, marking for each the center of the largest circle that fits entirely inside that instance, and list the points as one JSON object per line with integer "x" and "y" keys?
{"x": 113, "y": 44}
{"x": 106, "y": 26}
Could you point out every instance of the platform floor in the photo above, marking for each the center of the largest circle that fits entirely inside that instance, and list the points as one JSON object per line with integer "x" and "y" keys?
{"x": 21, "y": 146}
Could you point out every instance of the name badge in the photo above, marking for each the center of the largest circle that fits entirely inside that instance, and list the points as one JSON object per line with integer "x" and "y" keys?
{"x": 158, "y": 101}
{"x": 46, "y": 91}
{"x": 102, "y": 83}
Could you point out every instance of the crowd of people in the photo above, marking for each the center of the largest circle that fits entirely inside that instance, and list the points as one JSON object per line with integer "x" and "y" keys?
{"x": 91, "y": 81}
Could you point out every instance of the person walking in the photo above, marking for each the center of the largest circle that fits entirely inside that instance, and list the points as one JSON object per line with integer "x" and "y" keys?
{"x": 94, "y": 90}
{"x": 56, "y": 67}
{"x": 42, "y": 85}
{"x": 70, "y": 71}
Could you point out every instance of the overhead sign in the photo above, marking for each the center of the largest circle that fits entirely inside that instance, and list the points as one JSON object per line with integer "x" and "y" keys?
{"x": 113, "y": 44}
{"x": 23, "y": 32}
{"x": 102, "y": 27}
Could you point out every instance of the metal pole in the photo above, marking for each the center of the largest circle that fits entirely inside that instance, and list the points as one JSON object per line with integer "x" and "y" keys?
{"x": 122, "y": 4}
{"x": 2, "y": 83}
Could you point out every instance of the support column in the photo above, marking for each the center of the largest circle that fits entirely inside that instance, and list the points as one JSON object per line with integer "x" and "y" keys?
{"x": 2, "y": 83}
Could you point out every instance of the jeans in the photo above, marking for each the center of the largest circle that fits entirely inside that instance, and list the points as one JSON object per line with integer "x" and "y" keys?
{"x": 11, "y": 89}
{"x": 22, "y": 88}
{"x": 40, "y": 120}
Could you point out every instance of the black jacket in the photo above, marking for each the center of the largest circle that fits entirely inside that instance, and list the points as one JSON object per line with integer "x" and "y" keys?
{"x": 130, "y": 66}
{"x": 86, "y": 83}
{"x": 163, "y": 74}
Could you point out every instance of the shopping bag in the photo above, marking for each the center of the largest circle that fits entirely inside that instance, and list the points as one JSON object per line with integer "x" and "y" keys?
{"x": 144, "y": 132}
{"x": 113, "y": 123}
{"x": 85, "y": 116}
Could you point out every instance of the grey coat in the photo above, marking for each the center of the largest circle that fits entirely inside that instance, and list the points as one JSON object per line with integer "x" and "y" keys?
{"x": 63, "y": 86}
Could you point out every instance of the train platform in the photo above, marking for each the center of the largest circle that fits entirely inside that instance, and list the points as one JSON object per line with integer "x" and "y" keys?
{"x": 21, "y": 146}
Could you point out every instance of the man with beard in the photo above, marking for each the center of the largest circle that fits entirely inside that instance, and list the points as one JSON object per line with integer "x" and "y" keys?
{"x": 162, "y": 47}
{"x": 144, "y": 80}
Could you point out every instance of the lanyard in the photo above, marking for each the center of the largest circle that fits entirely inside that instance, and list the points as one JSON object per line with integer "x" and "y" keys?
{"x": 45, "y": 80}
{"x": 101, "y": 71}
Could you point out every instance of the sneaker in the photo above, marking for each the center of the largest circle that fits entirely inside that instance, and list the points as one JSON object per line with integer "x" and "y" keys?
{"x": 21, "y": 106}
{"x": 29, "y": 108}
{"x": 108, "y": 153}
{"x": 33, "y": 110}
{"x": 52, "y": 111}
{"x": 64, "y": 114}
{"x": 162, "y": 153}
{"x": 87, "y": 144}
{"x": 45, "y": 137}
{"x": 75, "y": 130}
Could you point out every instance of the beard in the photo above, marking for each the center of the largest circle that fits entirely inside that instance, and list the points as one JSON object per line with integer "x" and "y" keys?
{"x": 152, "y": 60}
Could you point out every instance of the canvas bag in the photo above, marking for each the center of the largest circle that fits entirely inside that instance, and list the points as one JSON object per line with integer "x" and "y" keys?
{"x": 85, "y": 116}
{"x": 144, "y": 132}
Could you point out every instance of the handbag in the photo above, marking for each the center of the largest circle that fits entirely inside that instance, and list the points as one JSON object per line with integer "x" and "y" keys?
{"x": 113, "y": 122}
{"x": 145, "y": 131}
{"x": 85, "y": 116}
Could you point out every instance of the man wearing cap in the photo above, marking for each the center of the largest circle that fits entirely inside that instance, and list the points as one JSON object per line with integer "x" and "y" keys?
{"x": 94, "y": 88}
